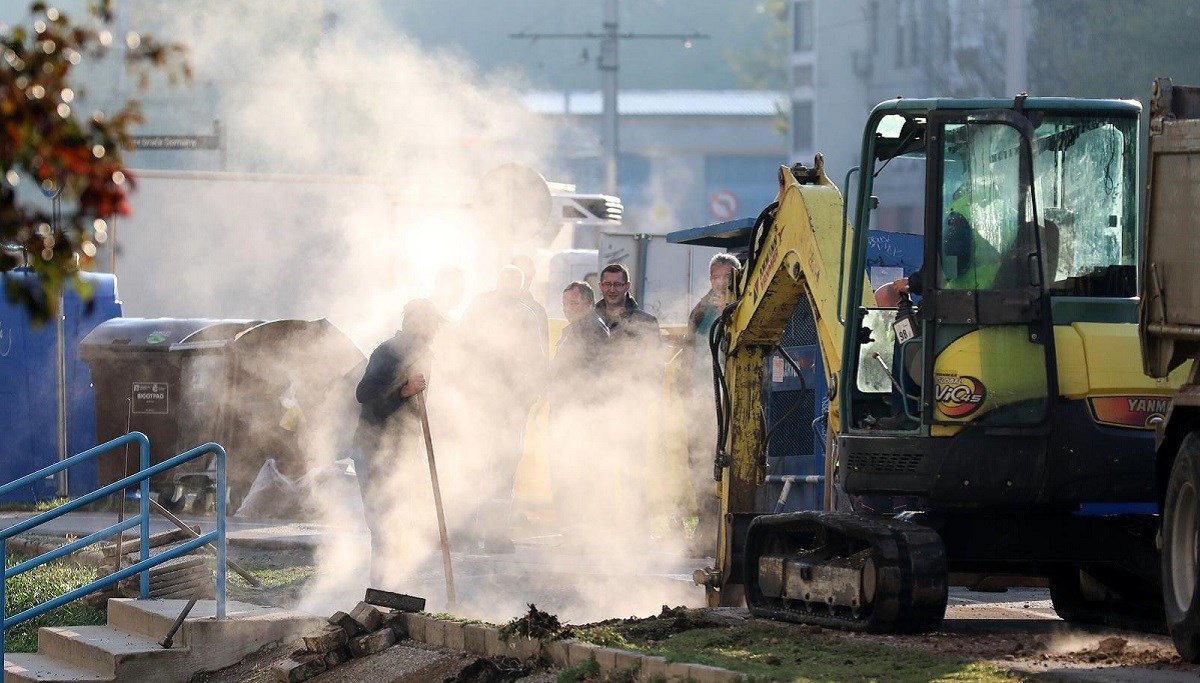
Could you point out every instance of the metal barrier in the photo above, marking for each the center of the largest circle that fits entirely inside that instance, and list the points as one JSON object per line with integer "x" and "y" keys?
{"x": 217, "y": 536}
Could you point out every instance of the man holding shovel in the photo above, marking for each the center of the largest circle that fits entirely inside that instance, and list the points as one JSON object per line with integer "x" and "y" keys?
{"x": 390, "y": 421}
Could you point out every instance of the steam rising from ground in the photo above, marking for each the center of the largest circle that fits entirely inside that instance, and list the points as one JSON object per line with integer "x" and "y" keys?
{"x": 376, "y": 147}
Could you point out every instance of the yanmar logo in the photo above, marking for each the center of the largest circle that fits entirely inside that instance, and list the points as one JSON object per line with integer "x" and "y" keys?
{"x": 1136, "y": 412}
{"x": 1148, "y": 405}
{"x": 959, "y": 395}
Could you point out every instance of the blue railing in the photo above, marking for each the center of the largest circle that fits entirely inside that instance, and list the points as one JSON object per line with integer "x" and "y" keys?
{"x": 142, "y": 478}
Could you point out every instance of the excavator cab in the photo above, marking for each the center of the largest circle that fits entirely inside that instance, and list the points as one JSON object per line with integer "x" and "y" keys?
{"x": 1029, "y": 221}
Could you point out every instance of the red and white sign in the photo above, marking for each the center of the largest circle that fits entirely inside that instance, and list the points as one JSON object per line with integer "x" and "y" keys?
{"x": 723, "y": 205}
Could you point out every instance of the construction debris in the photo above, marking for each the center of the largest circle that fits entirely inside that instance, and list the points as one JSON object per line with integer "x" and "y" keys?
{"x": 155, "y": 540}
{"x": 536, "y": 624}
{"x": 347, "y": 622}
{"x": 364, "y": 631}
{"x": 367, "y": 616}
{"x": 183, "y": 577}
{"x": 396, "y": 601}
{"x": 298, "y": 668}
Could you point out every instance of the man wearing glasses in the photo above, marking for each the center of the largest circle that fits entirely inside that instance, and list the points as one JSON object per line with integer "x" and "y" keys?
{"x": 633, "y": 367}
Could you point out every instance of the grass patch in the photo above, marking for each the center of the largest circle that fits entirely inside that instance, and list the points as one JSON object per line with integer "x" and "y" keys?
{"x": 40, "y": 585}
{"x": 274, "y": 579}
{"x": 775, "y": 652}
{"x": 465, "y": 621}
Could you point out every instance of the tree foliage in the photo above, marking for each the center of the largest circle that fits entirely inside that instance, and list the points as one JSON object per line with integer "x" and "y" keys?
{"x": 74, "y": 159}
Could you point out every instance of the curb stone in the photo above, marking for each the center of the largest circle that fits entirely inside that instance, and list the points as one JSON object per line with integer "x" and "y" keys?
{"x": 485, "y": 641}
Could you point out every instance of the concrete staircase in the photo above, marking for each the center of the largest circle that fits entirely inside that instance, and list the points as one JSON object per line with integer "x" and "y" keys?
{"x": 128, "y": 649}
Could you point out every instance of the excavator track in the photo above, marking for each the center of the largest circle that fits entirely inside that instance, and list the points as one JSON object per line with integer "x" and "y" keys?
{"x": 845, "y": 571}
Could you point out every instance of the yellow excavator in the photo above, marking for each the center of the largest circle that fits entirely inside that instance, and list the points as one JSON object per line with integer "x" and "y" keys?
{"x": 996, "y": 430}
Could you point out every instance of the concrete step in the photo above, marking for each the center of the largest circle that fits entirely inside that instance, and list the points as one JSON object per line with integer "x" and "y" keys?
{"x": 213, "y": 644}
{"x": 108, "y": 651}
{"x": 127, "y": 648}
{"x": 27, "y": 668}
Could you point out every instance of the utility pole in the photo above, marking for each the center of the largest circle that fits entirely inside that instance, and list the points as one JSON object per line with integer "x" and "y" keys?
{"x": 608, "y": 83}
{"x": 610, "y": 38}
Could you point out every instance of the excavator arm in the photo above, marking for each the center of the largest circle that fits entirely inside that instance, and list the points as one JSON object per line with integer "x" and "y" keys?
{"x": 797, "y": 255}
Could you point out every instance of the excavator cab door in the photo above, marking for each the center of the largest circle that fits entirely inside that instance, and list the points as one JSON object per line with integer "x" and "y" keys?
{"x": 986, "y": 353}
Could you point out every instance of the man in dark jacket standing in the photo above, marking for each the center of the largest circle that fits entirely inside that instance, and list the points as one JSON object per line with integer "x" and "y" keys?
{"x": 633, "y": 366}
{"x": 388, "y": 421}
{"x": 633, "y": 330}
{"x": 572, "y": 392}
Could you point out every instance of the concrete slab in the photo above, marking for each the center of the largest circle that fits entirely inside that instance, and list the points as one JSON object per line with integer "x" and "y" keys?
{"x": 152, "y": 618}
{"x": 27, "y": 668}
{"x": 106, "y": 650}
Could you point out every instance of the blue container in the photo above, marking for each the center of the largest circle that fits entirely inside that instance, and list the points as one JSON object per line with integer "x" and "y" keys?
{"x": 28, "y": 395}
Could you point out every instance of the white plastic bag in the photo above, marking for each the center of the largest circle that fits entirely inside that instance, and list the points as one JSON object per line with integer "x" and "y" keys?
{"x": 271, "y": 495}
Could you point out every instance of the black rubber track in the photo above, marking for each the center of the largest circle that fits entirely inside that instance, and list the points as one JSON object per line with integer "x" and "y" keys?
{"x": 910, "y": 565}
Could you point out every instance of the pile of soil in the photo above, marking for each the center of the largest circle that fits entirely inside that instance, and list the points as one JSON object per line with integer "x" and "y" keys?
{"x": 670, "y": 621}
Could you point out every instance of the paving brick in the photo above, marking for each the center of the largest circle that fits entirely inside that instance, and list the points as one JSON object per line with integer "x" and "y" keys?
{"x": 398, "y": 601}
{"x": 338, "y": 656}
{"x": 326, "y": 640}
{"x": 296, "y": 670}
{"x": 625, "y": 660}
{"x": 367, "y": 616}
{"x": 435, "y": 632}
{"x": 475, "y": 639}
{"x": 652, "y": 667}
{"x": 416, "y": 626}
{"x": 453, "y": 637}
{"x": 526, "y": 648}
{"x": 397, "y": 621}
{"x": 348, "y": 624}
{"x": 376, "y": 641}
{"x": 494, "y": 645}
{"x": 578, "y": 653}
{"x": 556, "y": 652}
{"x": 711, "y": 674}
{"x": 679, "y": 671}
{"x": 606, "y": 657}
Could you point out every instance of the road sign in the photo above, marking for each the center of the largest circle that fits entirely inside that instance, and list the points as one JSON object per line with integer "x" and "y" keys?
{"x": 723, "y": 205}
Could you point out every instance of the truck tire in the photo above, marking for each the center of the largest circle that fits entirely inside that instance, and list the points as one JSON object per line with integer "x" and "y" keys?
{"x": 1180, "y": 529}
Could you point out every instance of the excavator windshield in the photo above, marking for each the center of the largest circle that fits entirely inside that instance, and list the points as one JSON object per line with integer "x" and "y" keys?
{"x": 1084, "y": 170}
{"x": 1085, "y": 174}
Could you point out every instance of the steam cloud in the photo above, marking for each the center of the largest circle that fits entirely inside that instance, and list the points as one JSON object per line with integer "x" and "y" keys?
{"x": 365, "y": 151}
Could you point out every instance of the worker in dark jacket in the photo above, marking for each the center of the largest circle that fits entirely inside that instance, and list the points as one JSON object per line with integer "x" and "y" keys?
{"x": 575, "y": 458}
{"x": 389, "y": 421}
{"x": 633, "y": 367}
{"x": 633, "y": 331}
{"x": 580, "y": 346}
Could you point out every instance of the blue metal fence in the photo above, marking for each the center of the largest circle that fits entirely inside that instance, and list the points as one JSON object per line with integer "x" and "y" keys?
{"x": 142, "y": 479}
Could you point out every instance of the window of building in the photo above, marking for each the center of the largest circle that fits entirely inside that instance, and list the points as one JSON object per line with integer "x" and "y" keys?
{"x": 802, "y": 26}
{"x": 802, "y": 126}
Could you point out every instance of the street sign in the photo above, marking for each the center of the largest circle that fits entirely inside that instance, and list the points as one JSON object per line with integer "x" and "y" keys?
{"x": 723, "y": 205}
